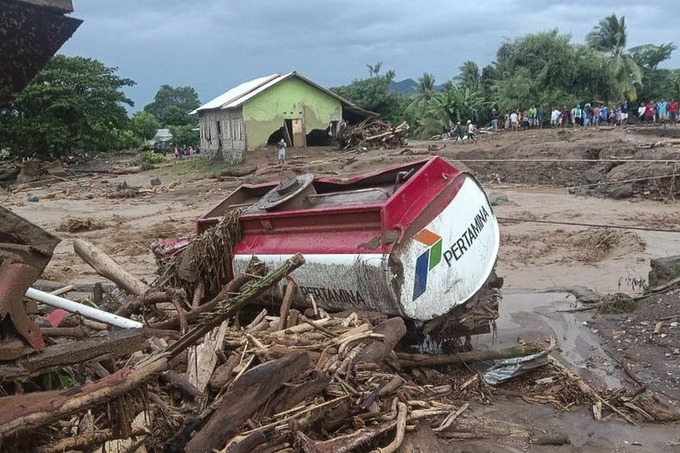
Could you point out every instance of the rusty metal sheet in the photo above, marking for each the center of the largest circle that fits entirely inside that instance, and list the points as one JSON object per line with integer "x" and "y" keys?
{"x": 15, "y": 279}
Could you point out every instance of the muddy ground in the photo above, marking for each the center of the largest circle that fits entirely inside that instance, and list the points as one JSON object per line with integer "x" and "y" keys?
{"x": 542, "y": 263}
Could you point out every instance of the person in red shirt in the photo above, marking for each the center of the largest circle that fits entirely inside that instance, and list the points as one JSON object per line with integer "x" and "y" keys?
{"x": 649, "y": 112}
{"x": 673, "y": 110}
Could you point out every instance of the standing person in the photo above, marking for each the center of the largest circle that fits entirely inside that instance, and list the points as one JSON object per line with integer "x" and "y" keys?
{"x": 541, "y": 117}
{"x": 458, "y": 132}
{"x": 662, "y": 107}
{"x": 673, "y": 111}
{"x": 533, "y": 116}
{"x": 471, "y": 131}
{"x": 604, "y": 114}
{"x": 624, "y": 113}
{"x": 282, "y": 151}
{"x": 566, "y": 117}
{"x": 555, "y": 117}
{"x": 514, "y": 121}
{"x": 587, "y": 114}
{"x": 494, "y": 119}
{"x": 596, "y": 115}
{"x": 649, "y": 112}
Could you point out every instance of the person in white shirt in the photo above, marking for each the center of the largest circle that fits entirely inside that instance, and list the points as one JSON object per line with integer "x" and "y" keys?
{"x": 514, "y": 121}
{"x": 471, "y": 131}
{"x": 555, "y": 117}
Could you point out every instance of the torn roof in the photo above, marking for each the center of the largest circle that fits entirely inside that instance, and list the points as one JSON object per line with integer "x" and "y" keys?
{"x": 238, "y": 95}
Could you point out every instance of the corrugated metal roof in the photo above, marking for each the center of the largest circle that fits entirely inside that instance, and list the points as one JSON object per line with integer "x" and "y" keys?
{"x": 235, "y": 93}
{"x": 248, "y": 90}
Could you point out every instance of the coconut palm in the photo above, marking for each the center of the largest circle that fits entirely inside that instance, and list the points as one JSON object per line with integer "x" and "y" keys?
{"x": 610, "y": 36}
{"x": 424, "y": 93}
{"x": 469, "y": 76}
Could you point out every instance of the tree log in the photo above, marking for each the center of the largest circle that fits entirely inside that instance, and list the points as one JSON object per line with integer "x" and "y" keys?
{"x": 407, "y": 360}
{"x": 108, "y": 268}
{"x": 376, "y": 351}
{"x": 244, "y": 398}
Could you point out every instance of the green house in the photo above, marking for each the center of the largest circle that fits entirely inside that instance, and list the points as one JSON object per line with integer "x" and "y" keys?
{"x": 260, "y": 112}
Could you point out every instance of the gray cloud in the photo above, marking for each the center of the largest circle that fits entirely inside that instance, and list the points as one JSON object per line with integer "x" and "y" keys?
{"x": 213, "y": 45}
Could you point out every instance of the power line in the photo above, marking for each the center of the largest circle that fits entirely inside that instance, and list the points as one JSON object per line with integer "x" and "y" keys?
{"x": 665, "y": 161}
{"x": 592, "y": 225}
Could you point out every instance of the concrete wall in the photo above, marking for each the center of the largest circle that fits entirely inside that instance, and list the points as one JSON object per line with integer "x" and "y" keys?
{"x": 290, "y": 99}
{"x": 222, "y": 128}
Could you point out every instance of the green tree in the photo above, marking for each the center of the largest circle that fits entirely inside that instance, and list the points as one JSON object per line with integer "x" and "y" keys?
{"x": 658, "y": 82}
{"x": 469, "y": 76}
{"x": 144, "y": 125}
{"x": 185, "y": 135}
{"x": 457, "y": 104}
{"x": 74, "y": 104}
{"x": 172, "y": 105}
{"x": 425, "y": 91}
{"x": 373, "y": 93}
{"x": 610, "y": 36}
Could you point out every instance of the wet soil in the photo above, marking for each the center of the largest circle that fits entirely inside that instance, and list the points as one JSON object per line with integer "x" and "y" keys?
{"x": 535, "y": 258}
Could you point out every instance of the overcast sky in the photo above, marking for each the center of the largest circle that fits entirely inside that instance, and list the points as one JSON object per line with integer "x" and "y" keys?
{"x": 213, "y": 45}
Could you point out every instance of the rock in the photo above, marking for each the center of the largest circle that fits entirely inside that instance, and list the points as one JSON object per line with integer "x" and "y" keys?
{"x": 620, "y": 191}
{"x": 498, "y": 198}
{"x": 155, "y": 182}
{"x": 174, "y": 184}
{"x": 663, "y": 270}
{"x": 32, "y": 198}
{"x": 591, "y": 176}
{"x": 537, "y": 245}
{"x": 240, "y": 170}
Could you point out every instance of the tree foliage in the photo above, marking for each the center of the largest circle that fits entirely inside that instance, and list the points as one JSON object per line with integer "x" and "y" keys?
{"x": 610, "y": 36}
{"x": 469, "y": 76}
{"x": 185, "y": 135}
{"x": 373, "y": 93}
{"x": 172, "y": 105}
{"x": 144, "y": 125}
{"x": 74, "y": 104}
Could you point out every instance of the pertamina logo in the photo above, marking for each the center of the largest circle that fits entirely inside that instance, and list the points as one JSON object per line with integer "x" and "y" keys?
{"x": 427, "y": 261}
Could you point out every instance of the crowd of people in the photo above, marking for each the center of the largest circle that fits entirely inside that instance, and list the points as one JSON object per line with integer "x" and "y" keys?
{"x": 458, "y": 132}
{"x": 590, "y": 114}
{"x": 182, "y": 151}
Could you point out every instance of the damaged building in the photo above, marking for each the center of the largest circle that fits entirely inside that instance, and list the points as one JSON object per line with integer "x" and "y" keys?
{"x": 260, "y": 112}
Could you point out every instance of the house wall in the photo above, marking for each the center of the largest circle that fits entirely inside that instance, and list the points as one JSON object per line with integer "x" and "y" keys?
{"x": 222, "y": 128}
{"x": 290, "y": 99}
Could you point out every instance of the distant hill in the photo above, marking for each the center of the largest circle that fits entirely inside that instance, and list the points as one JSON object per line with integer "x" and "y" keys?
{"x": 409, "y": 86}
{"x": 404, "y": 86}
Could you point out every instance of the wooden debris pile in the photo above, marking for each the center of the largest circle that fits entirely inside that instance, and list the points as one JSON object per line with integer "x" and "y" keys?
{"x": 373, "y": 133}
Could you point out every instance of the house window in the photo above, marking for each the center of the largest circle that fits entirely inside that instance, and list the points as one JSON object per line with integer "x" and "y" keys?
{"x": 228, "y": 133}
{"x": 237, "y": 125}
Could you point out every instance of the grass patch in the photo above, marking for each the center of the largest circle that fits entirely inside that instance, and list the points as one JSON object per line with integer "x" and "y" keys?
{"x": 616, "y": 303}
{"x": 200, "y": 167}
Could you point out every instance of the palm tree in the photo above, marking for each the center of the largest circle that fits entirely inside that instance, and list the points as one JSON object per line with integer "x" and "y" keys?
{"x": 609, "y": 36}
{"x": 469, "y": 76}
{"x": 424, "y": 93}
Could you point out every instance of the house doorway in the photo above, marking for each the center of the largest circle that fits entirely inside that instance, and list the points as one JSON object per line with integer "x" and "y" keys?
{"x": 294, "y": 132}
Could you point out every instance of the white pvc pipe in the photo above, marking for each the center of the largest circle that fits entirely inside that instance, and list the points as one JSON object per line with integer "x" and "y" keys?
{"x": 82, "y": 309}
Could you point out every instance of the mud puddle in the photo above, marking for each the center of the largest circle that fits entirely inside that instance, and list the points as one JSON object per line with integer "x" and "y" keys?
{"x": 534, "y": 317}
